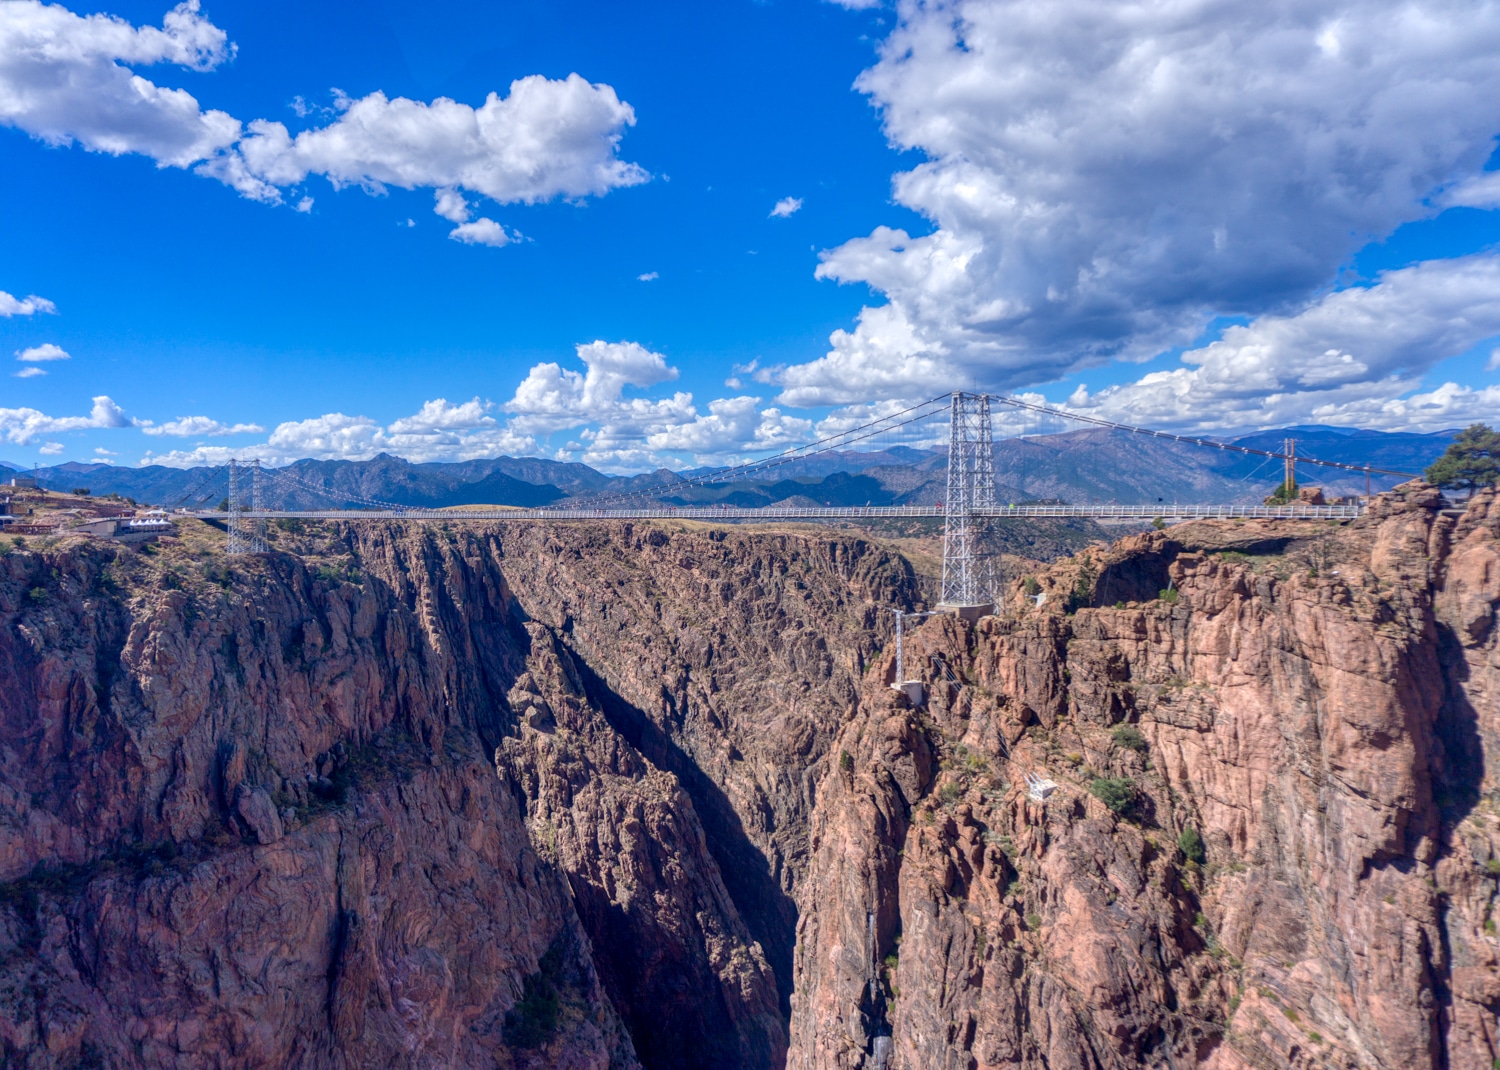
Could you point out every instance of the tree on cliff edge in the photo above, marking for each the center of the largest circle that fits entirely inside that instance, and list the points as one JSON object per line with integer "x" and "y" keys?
{"x": 1472, "y": 461}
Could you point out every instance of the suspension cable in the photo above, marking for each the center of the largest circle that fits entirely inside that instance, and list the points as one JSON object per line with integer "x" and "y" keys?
{"x": 359, "y": 499}
{"x": 827, "y": 444}
{"x": 1019, "y": 403}
{"x": 213, "y": 473}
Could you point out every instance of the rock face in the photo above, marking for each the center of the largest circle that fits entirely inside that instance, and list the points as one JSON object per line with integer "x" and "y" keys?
{"x": 386, "y": 811}
{"x": 251, "y": 823}
{"x": 629, "y": 795}
{"x": 1318, "y": 706}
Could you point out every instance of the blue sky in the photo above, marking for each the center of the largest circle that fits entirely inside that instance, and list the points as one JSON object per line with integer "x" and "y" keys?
{"x": 970, "y": 198}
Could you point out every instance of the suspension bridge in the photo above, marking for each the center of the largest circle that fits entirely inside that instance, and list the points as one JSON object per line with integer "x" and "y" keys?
{"x": 969, "y": 511}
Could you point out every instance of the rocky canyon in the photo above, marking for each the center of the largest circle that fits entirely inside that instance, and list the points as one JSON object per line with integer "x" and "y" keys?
{"x": 641, "y": 795}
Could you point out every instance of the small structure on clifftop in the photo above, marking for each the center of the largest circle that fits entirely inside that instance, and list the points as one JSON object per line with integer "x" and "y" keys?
{"x": 1039, "y": 788}
{"x": 914, "y": 690}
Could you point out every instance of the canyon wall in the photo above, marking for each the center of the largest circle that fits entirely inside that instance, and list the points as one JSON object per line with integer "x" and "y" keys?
{"x": 1274, "y": 835}
{"x": 362, "y": 804}
{"x": 639, "y": 795}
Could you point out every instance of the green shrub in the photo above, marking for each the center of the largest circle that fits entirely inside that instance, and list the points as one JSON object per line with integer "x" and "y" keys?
{"x": 1030, "y": 586}
{"x": 1158, "y": 523}
{"x": 38, "y": 595}
{"x": 846, "y": 762}
{"x": 1190, "y": 843}
{"x": 1492, "y": 867}
{"x": 1117, "y": 793}
{"x": 533, "y": 1020}
{"x": 1169, "y": 595}
{"x": 1034, "y": 922}
{"x": 1129, "y": 737}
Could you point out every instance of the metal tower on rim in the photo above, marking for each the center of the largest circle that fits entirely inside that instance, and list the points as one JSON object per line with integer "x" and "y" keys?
{"x": 246, "y": 537}
{"x": 968, "y": 558}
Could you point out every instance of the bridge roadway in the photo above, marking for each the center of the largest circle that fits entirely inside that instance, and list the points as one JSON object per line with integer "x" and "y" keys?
{"x": 1174, "y": 511}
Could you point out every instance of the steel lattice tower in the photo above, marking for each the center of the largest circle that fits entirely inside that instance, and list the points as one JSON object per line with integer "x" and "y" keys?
{"x": 257, "y": 504}
{"x": 236, "y": 522}
{"x": 968, "y": 560}
{"x": 245, "y": 538}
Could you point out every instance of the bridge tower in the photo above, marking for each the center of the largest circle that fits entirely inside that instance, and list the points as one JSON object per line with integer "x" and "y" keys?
{"x": 245, "y": 537}
{"x": 257, "y": 504}
{"x": 968, "y": 557}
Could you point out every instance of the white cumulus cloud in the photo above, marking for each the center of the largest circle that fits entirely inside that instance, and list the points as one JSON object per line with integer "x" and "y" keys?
{"x": 1340, "y": 361}
{"x": 195, "y": 426}
{"x": 732, "y": 426}
{"x": 66, "y": 78}
{"x": 438, "y": 431}
{"x": 1479, "y": 191}
{"x": 551, "y": 397}
{"x": 24, "y": 424}
{"x": 545, "y": 138}
{"x": 786, "y": 206}
{"x": 30, "y": 372}
{"x": 44, "y": 352}
{"x": 481, "y": 231}
{"x": 621, "y": 433}
{"x": 1105, "y": 179}
{"x": 452, "y": 206}
{"x": 23, "y": 306}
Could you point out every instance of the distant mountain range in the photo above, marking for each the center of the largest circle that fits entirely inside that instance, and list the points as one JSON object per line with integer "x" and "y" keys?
{"x": 1096, "y": 465}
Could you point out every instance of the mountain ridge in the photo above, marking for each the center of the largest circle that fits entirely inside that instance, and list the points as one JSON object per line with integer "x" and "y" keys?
{"x": 1090, "y": 465}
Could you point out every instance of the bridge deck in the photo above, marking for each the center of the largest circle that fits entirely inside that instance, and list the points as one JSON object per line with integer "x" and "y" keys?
{"x": 1174, "y": 511}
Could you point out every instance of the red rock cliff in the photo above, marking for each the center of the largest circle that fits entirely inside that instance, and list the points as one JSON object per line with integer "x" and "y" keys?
{"x": 1317, "y": 705}
{"x": 619, "y": 795}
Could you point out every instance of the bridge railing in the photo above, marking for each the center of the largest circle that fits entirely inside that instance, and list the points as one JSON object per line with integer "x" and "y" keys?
{"x": 1175, "y": 511}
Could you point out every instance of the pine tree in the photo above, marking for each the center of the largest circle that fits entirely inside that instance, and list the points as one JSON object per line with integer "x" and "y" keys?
{"x": 1472, "y": 461}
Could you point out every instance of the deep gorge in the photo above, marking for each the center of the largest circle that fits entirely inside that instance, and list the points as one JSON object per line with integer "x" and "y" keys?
{"x": 636, "y": 795}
